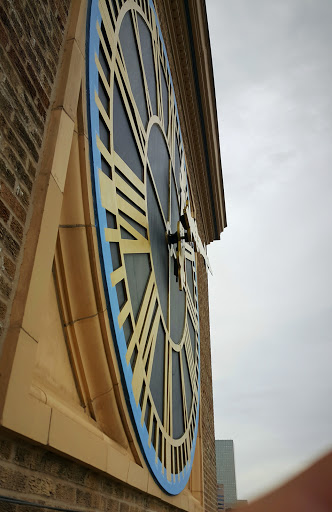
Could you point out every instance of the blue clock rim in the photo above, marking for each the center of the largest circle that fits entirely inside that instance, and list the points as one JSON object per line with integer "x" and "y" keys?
{"x": 178, "y": 481}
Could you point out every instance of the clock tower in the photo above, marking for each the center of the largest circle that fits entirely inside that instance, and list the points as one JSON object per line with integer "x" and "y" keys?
{"x": 106, "y": 361}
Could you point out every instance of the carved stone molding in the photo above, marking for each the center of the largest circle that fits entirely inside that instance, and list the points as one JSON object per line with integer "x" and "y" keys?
{"x": 184, "y": 26}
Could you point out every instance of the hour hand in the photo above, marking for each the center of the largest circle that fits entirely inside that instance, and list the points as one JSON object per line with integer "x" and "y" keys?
{"x": 177, "y": 248}
{"x": 190, "y": 225}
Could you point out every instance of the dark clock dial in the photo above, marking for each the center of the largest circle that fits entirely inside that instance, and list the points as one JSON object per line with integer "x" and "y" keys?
{"x": 140, "y": 185}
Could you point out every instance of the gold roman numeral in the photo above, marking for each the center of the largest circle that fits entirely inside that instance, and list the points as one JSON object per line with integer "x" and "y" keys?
{"x": 184, "y": 396}
{"x": 147, "y": 363}
{"x": 108, "y": 23}
{"x": 157, "y": 63}
{"x": 145, "y": 83}
{"x": 168, "y": 410}
{"x": 192, "y": 362}
{"x": 189, "y": 252}
{"x": 128, "y": 99}
{"x": 104, "y": 114}
{"x": 192, "y": 310}
{"x": 132, "y": 188}
{"x": 171, "y": 124}
{"x": 143, "y": 323}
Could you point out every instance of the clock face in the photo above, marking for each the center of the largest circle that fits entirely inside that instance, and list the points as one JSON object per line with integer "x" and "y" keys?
{"x": 140, "y": 190}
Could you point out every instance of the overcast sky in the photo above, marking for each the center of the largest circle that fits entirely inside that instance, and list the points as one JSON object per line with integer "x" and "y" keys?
{"x": 271, "y": 292}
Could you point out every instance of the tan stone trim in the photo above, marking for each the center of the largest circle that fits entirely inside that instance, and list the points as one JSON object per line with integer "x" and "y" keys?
{"x": 206, "y": 83}
{"x": 22, "y": 412}
{"x": 48, "y": 185}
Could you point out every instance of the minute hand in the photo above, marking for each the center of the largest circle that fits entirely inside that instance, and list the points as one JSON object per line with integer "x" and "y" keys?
{"x": 191, "y": 226}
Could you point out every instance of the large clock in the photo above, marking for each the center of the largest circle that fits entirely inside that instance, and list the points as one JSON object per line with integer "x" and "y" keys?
{"x": 144, "y": 224}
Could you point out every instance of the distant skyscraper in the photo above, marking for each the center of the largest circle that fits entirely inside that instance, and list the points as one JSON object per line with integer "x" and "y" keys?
{"x": 226, "y": 470}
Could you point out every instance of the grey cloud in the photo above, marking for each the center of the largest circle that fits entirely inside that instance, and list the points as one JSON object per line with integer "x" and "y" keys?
{"x": 270, "y": 297}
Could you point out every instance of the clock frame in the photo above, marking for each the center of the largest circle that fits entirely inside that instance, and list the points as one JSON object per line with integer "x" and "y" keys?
{"x": 122, "y": 213}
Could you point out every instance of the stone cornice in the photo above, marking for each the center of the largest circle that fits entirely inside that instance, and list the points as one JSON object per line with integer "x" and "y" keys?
{"x": 185, "y": 30}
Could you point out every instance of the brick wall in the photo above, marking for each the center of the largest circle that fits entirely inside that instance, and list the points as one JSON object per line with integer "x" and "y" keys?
{"x": 31, "y": 35}
{"x": 33, "y": 474}
{"x": 207, "y": 414}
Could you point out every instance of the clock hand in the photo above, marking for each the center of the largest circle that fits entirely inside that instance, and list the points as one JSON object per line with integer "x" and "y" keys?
{"x": 183, "y": 188}
{"x": 181, "y": 256}
{"x": 179, "y": 252}
{"x": 185, "y": 234}
{"x": 189, "y": 223}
